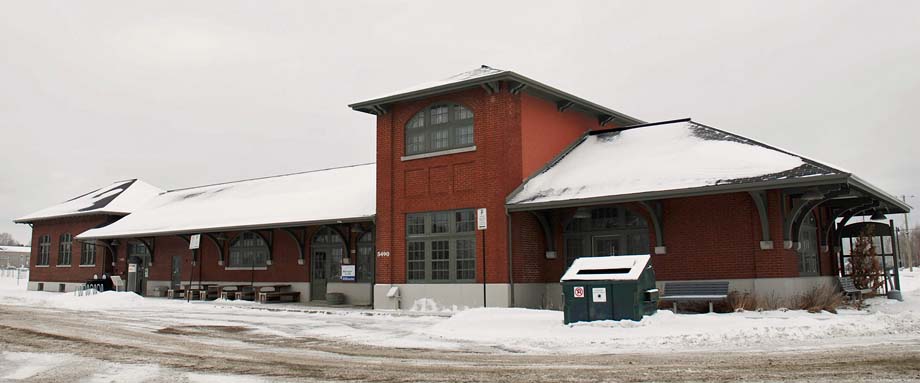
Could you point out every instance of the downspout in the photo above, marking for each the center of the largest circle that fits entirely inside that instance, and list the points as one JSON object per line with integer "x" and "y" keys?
{"x": 510, "y": 258}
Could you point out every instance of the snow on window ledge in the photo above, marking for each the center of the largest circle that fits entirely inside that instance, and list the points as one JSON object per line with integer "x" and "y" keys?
{"x": 62, "y": 266}
{"x": 246, "y": 268}
{"x": 87, "y": 265}
{"x": 439, "y": 153}
{"x": 41, "y": 265}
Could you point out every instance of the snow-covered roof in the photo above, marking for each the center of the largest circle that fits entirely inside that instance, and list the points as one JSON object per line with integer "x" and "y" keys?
{"x": 671, "y": 156}
{"x": 15, "y": 249}
{"x": 119, "y": 198}
{"x": 489, "y": 77}
{"x": 483, "y": 71}
{"x": 614, "y": 267}
{"x": 328, "y": 195}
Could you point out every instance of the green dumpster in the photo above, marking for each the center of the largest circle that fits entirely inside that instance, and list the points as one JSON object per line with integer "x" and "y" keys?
{"x": 609, "y": 288}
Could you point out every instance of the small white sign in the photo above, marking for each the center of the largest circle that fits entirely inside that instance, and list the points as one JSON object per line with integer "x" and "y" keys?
{"x": 194, "y": 241}
{"x": 348, "y": 272}
{"x": 132, "y": 268}
{"x": 481, "y": 219}
{"x": 579, "y": 292}
{"x": 599, "y": 294}
{"x": 383, "y": 253}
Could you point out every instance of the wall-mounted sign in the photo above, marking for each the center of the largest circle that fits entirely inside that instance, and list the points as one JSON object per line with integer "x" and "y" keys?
{"x": 348, "y": 272}
{"x": 383, "y": 253}
{"x": 132, "y": 268}
{"x": 194, "y": 241}
{"x": 599, "y": 294}
{"x": 579, "y": 292}
{"x": 481, "y": 219}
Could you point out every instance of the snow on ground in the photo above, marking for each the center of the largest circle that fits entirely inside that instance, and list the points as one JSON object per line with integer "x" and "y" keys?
{"x": 516, "y": 330}
{"x": 30, "y": 366}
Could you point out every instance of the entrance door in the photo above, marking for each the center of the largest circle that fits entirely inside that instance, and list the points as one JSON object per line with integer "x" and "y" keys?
{"x": 604, "y": 245}
{"x": 137, "y": 277}
{"x": 176, "y": 271}
{"x": 318, "y": 279}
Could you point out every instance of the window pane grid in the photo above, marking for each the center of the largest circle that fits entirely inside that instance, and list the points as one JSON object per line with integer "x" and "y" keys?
{"x": 88, "y": 255}
{"x": 249, "y": 250}
{"x": 441, "y": 246}
{"x": 64, "y": 249}
{"x": 440, "y": 127}
{"x": 44, "y": 251}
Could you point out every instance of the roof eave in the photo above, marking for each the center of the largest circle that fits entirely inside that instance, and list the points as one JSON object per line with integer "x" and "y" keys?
{"x": 680, "y": 193}
{"x": 881, "y": 194}
{"x": 28, "y": 220}
{"x": 368, "y": 106}
{"x": 277, "y": 225}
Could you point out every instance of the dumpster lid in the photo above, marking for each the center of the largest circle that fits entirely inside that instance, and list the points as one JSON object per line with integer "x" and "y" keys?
{"x": 616, "y": 267}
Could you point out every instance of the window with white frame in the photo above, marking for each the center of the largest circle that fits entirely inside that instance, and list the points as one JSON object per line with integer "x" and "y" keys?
{"x": 65, "y": 248}
{"x": 441, "y": 246}
{"x": 438, "y": 128}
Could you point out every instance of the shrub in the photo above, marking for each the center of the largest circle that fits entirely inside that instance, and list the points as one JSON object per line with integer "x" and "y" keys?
{"x": 824, "y": 297}
{"x": 864, "y": 266}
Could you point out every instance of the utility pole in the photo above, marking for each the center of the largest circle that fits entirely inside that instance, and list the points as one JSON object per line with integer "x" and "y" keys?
{"x": 910, "y": 245}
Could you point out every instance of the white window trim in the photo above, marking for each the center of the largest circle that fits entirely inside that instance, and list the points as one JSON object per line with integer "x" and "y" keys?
{"x": 246, "y": 268}
{"x": 93, "y": 265}
{"x": 42, "y": 265}
{"x": 439, "y": 153}
{"x": 61, "y": 265}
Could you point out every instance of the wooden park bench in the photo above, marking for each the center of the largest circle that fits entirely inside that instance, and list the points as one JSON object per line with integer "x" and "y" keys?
{"x": 269, "y": 294}
{"x": 175, "y": 293}
{"x": 246, "y": 293}
{"x": 849, "y": 288}
{"x": 695, "y": 291}
{"x": 228, "y": 293}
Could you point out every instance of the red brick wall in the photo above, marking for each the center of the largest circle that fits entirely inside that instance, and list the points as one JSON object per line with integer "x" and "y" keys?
{"x": 707, "y": 237}
{"x": 545, "y": 131}
{"x": 284, "y": 267}
{"x": 481, "y": 178}
{"x": 74, "y": 226}
{"x": 514, "y": 136}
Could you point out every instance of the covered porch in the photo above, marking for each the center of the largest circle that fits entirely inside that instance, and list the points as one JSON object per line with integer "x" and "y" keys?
{"x": 707, "y": 204}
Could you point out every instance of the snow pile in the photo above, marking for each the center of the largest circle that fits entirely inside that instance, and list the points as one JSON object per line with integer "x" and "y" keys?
{"x": 109, "y": 300}
{"x": 654, "y": 158}
{"x": 428, "y": 305}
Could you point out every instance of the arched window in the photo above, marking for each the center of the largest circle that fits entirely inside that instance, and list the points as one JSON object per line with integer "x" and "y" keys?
{"x": 65, "y": 248}
{"x": 248, "y": 250}
{"x": 365, "y": 262}
{"x": 439, "y": 127}
{"x": 328, "y": 249}
{"x": 44, "y": 251}
{"x": 605, "y": 231}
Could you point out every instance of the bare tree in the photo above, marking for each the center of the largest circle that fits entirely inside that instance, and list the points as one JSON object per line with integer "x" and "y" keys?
{"x": 6, "y": 239}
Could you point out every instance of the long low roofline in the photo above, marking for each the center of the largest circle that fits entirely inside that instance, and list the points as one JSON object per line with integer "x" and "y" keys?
{"x": 280, "y": 225}
{"x": 368, "y": 106}
{"x": 716, "y": 189}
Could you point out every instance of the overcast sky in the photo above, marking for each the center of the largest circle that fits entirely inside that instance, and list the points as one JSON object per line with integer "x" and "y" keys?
{"x": 192, "y": 92}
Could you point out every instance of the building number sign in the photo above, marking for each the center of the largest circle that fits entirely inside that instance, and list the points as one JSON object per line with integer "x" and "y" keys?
{"x": 383, "y": 253}
{"x": 579, "y": 292}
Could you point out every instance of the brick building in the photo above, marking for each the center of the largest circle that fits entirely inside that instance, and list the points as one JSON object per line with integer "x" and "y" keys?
{"x": 559, "y": 176}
